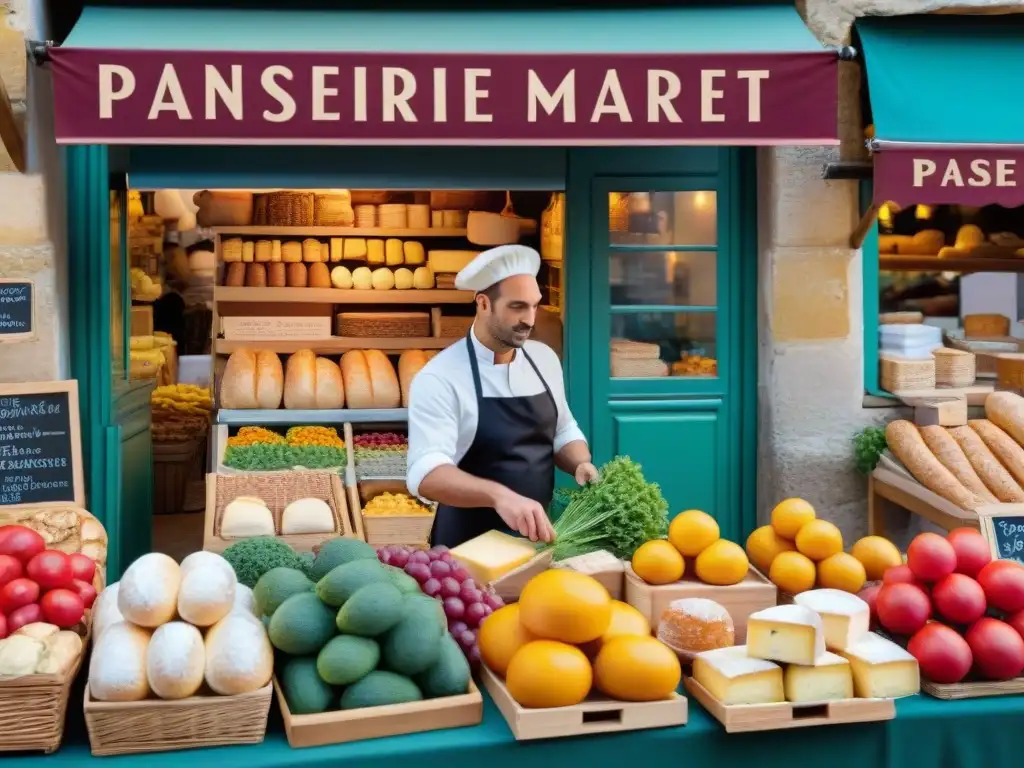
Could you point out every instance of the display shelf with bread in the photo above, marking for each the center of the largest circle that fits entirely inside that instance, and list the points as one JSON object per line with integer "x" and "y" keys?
{"x": 342, "y": 296}
{"x": 334, "y": 345}
{"x": 313, "y": 231}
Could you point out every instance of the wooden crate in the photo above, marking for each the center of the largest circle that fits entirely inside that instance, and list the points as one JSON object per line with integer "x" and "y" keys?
{"x": 973, "y": 690}
{"x": 597, "y": 714}
{"x": 772, "y": 717}
{"x": 753, "y": 594}
{"x": 343, "y": 726}
{"x": 154, "y": 725}
{"x": 219, "y": 434}
{"x": 382, "y": 530}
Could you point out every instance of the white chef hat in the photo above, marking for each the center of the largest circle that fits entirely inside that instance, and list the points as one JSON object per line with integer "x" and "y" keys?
{"x": 494, "y": 265}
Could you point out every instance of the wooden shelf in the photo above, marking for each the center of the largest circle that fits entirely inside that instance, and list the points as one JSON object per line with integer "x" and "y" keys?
{"x": 334, "y": 345}
{"x": 341, "y": 296}
{"x": 300, "y": 232}
{"x": 935, "y": 264}
{"x": 291, "y": 417}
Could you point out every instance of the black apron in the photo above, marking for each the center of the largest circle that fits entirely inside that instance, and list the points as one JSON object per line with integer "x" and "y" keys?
{"x": 514, "y": 445}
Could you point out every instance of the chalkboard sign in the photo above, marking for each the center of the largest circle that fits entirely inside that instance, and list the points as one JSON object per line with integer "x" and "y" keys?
{"x": 40, "y": 444}
{"x": 1002, "y": 525}
{"x": 17, "y": 310}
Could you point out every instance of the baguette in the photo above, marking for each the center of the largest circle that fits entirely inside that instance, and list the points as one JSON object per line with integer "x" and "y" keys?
{"x": 1010, "y": 454}
{"x": 951, "y": 456}
{"x": 370, "y": 379}
{"x": 1006, "y": 411}
{"x": 991, "y": 472}
{"x": 909, "y": 447}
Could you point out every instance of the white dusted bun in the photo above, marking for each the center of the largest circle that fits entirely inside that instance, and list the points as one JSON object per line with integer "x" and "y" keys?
{"x": 239, "y": 658}
{"x": 207, "y": 592}
{"x": 105, "y": 611}
{"x": 245, "y": 601}
{"x": 176, "y": 661}
{"x": 204, "y": 558}
{"x": 117, "y": 671}
{"x": 148, "y": 595}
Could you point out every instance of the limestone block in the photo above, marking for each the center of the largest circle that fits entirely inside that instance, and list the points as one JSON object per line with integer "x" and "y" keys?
{"x": 810, "y": 298}
{"x": 23, "y": 215}
{"x": 39, "y": 359}
{"x": 13, "y": 59}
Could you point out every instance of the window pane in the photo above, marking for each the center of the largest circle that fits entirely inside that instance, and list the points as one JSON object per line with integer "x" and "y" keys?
{"x": 653, "y": 344}
{"x": 117, "y": 323}
{"x": 663, "y": 218}
{"x": 663, "y": 277}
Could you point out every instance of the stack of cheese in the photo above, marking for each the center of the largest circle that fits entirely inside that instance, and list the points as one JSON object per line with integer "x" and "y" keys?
{"x": 816, "y": 650}
{"x": 249, "y": 516}
{"x": 164, "y": 630}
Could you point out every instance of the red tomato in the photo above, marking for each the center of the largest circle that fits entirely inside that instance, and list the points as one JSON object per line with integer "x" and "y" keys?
{"x": 901, "y": 574}
{"x": 10, "y": 569}
{"x": 22, "y": 542}
{"x": 18, "y": 593}
{"x": 1016, "y": 621}
{"x": 931, "y": 557}
{"x": 83, "y": 567}
{"x": 972, "y": 552}
{"x": 27, "y": 614}
{"x": 50, "y": 569}
{"x": 85, "y": 590}
{"x": 869, "y": 595}
{"x": 959, "y": 599}
{"x": 64, "y": 608}
{"x": 1003, "y": 582}
{"x": 943, "y": 655}
{"x": 903, "y": 608}
{"x": 3, "y": 626}
{"x": 998, "y": 649}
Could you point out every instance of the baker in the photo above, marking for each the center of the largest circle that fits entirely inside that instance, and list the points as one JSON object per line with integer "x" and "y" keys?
{"x": 488, "y": 420}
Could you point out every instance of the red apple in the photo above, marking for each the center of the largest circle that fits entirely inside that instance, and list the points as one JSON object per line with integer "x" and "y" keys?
{"x": 901, "y": 574}
{"x": 959, "y": 599}
{"x": 942, "y": 654}
{"x": 1003, "y": 582}
{"x": 869, "y": 595}
{"x": 931, "y": 557}
{"x": 972, "y": 551}
{"x": 998, "y": 649}
{"x": 903, "y": 608}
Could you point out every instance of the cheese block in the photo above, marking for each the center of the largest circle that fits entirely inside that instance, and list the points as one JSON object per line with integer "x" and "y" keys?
{"x": 248, "y": 251}
{"x": 337, "y": 248}
{"x": 791, "y": 634}
{"x": 264, "y": 251}
{"x": 355, "y": 248}
{"x": 375, "y": 251}
{"x": 393, "y": 252}
{"x": 307, "y": 516}
{"x": 246, "y": 517}
{"x": 414, "y": 253}
{"x": 881, "y": 669}
{"x": 325, "y": 252}
{"x": 275, "y": 251}
{"x": 733, "y": 677}
{"x": 828, "y": 679}
{"x": 310, "y": 250}
{"x": 493, "y": 554}
{"x": 291, "y": 252}
{"x": 449, "y": 261}
{"x": 231, "y": 250}
{"x": 846, "y": 617}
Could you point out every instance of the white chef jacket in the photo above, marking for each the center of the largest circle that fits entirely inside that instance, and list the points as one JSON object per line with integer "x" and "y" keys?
{"x": 443, "y": 408}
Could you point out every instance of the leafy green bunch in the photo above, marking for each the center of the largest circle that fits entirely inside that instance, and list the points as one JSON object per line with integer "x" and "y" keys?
{"x": 868, "y": 446}
{"x": 266, "y": 457}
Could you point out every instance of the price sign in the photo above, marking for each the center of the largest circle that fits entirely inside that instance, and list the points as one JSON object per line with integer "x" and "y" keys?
{"x": 17, "y": 310}
{"x": 1002, "y": 525}
{"x": 40, "y": 444}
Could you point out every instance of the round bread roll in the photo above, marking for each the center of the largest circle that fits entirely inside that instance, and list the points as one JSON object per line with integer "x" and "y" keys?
{"x": 117, "y": 671}
{"x": 207, "y": 594}
{"x": 176, "y": 660}
{"x": 252, "y": 379}
{"x": 206, "y": 560}
{"x": 245, "y": 601}
{"x": 105, "y": 611}
{"x": 312, "y": 382}
{"x": 370, "y": 379}
{"x": 239, "y": 657}
{"x": 148, "y": 595}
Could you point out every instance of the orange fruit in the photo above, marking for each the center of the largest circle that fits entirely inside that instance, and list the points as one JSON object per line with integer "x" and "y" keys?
{"x": 626, "y": 620}
{"x": 501, "y": 635}
{"x": 546, "y": 673}
{"x": 792, "y": 572}
{"x": 692, "y": 531}
{"x": 564, "y": 605}
{"x": 876, "y": 554}
{"x": 764, "y": 545}
{"x": 841, "y": 571}
{"x": 658, "y": 562}
{"x": 819, "y": 539}
{"x": 723, "y": 563}
{"x": 790, "y": 516}
{"x": 632, "y": 668}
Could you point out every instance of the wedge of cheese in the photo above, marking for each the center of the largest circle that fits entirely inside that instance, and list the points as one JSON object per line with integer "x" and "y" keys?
{"x": 493, "y": 554}
{"x": 847, "y": 618}
{"x": 731, "y": 676}
{"x": 828, "y": 679}
{"x": 881, "y": 669}
{"x": 375, "y": 251}
{"x": 791, "y": 634}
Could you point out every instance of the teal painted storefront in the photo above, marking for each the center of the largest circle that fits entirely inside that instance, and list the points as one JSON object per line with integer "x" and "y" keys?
{"x": 695, "y": 436}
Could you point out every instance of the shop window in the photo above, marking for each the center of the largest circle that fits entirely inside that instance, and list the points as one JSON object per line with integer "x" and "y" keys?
{"x": 118, "y": 300}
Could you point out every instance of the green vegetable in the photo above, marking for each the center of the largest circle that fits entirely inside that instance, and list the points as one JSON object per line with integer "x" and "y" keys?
{"x": 449, "y": 675}
{"x": 414, "y": 644}
{"x": 344, "y": 660}
{"x": 561, "y": 499}
{"x": 251, "y": 558}
{"x": 342, "y": 582}
{"x": 303, "y": 689}
{"x": 301, "y": 625}
{"x": 335, "y": 552}
{"x": 617, "y": 513}
{"x": 378, "y": 689}
{"x": 267, "y": 457}
{"x": 277, "y": 585}
{"x": 868, "y": 446}
{"x": 372, "y": 610}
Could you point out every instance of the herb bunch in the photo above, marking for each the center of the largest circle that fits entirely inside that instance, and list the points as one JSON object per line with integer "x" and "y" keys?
{"x": 868, "y": 446}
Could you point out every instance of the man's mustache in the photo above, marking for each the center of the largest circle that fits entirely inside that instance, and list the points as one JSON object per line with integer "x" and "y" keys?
{"x": 523, "y": 328}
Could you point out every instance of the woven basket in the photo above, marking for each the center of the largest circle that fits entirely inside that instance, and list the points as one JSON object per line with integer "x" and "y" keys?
{"x": 33, "y": 709}
{"x": 986, "y": 325}
{"x": 278, "y": 490}
{"x": 172, "y": 467}
{"x": 382, "y": 530}
{"x": 134, "y": 727}
{"x": 953, "y": 368}
{"x": 384, "y": 325}
{"x": 333, "y": 211}
{"x": 290, "y": 209}
{"x": 1010, "y": 372}
{"x": 454, "y": 327}
{"x": 901, "y": 374}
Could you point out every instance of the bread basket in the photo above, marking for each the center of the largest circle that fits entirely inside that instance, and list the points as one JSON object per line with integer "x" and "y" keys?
{"x": 483, "y": 228}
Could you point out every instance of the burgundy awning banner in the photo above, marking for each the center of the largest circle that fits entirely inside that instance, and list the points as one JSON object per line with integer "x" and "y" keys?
{"x": 950, "y": 175}
{"x": 219, "y": 97}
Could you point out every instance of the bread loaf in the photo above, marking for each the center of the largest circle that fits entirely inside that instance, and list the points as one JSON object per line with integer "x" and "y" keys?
{"x": 298, "y": 275}
{"x": 234, "y": 275}
{"x": 1010, "y": 454}
{"x": 20, "y": 655}
{"x": 40, "y": 630}
{"x": 319, "y": 276}
{"x": 61, "y": 651}
{"x": 277, "y": 275}
{"x": 951, "y": 456}
{"x": 252, "y": 379}
{"x": 245, "y": 600}
{"x": 175, "y": 661}
{"x": 370, "y": 380}
{"x": 307, "y": 516}
{"x": 256, "y": 276}
{"x": 1006, "y": 411}
{"x": 207, "y": 592}
{"x": 906, "y": 443}
{"x": 991, "y": 472}
{"x": 148, "y": 595}
{"x": 312, "y": 382}
{"x": 409, "y": 364}
{"x": 239, "y": 658}
{"x": 105, "y": 611}
{"x": 117, "y": 671}
{"x": 246, "y": 517}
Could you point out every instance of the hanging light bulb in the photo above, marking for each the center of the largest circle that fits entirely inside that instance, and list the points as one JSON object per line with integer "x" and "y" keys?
{"x": 885, "y": 214}
{"x": 923, "y": 212}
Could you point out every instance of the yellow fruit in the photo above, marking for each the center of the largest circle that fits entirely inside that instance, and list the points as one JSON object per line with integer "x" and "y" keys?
{"x": 634, "y": 668}
{"x": 501, "y": 635}
{"x": 876, "y": 554}
{"x": 819, "y": 539}
{"x": 691, "y": 532}
{"x": 792, "y": 572}
{"x": 790, "y": 516}
{"x": 723, "y": 563}
{"x": 841, "y": 571}
{"x": 764, "y": 545}
{"x": 626, "y": 620}
{"x": 565, "y": 605}
{"x": 658, "y": 562}
{"x": 545, "y": 673}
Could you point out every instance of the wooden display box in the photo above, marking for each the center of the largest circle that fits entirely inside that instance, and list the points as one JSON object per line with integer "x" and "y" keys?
{"x": 342, "y": 726}
{"x": 597, "y": 714}
{"x": 753, "y": 594}
{"x": 382, "y": 530}
{"x": 277, "y": 489}
{"x": 973, "y": 690}
{"x": 772, "y": 717}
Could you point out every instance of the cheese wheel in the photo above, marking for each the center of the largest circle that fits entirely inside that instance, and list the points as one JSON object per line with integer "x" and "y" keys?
{"x": 118, "y": 671}
{"x": 105, "y": 611}
{"x": 298, "y": 276}
{"x": 234, "y": 275}
{"x": 310, "y": 250}
{"x": 409, "y": 364}
{"x": 277, "y": 275}
{"x": 206, "y": 594}
{"x": 175, "y": 660}
{"x": 256, "y": 276}
{"x": 319, "y": 276}
{"x": 239, "y": 658}
{"x": 291, "y": 252}
{"x": 148, "y": 595}
{"x": 252, "y": 379}
{"x": 244, "y": 518}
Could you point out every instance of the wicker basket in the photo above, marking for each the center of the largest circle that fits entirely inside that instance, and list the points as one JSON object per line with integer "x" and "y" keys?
{"x": 1010, "y": 372}
{"x": 134, "y": 727}
{"x": 903, "y": 374}
{"x": 382, "y": 530}
{"x": 976, "y": 326}
{"x": 290, "y": 209}
{"x": 953, "y": 367}
{"x": 333, "y": 210}
{"x": 384, "y": 325}
{"x": 33, "y": 709}
{"x": 454, "y": 327}
{"x": 172, "y": 468}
